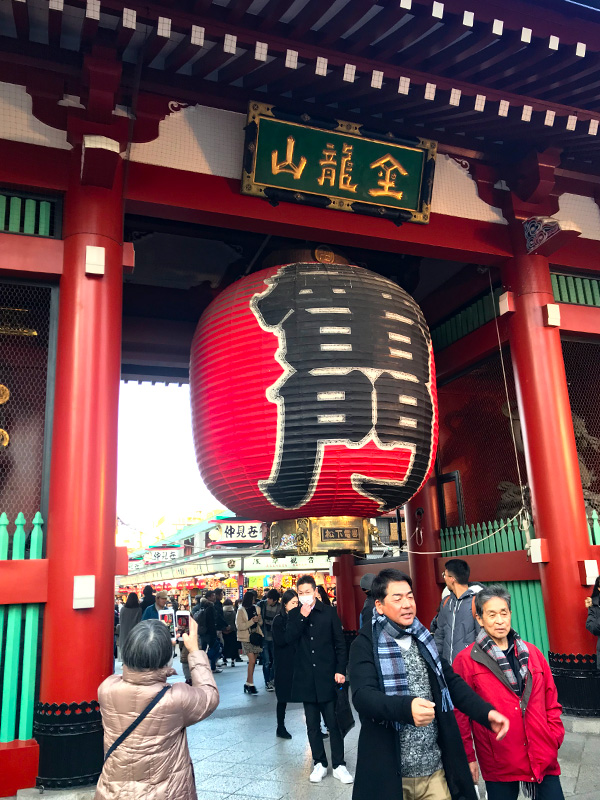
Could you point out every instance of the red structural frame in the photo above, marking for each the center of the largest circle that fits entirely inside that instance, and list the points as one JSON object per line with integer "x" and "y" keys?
{"x": 213, "y": 200}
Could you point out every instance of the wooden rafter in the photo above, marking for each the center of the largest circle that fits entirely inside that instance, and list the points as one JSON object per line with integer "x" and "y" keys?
{"x": 211, "y": 61}
{"x": 305, "y": 19}
{"x": 183, "y": 52}
{"x": 343, "y": 21}
{"x": 21, "y": 19}
{"x": 374, "y": 29}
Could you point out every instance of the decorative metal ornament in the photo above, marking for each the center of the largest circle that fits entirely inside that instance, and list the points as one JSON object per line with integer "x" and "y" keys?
{"x": 4, "y": 394}
{"x": 313, "y": 395}
{"x": 320, "y": 535}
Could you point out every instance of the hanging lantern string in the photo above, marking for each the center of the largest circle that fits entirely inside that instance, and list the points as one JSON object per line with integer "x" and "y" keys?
{"x": 522, "y": 515}
{"x": 518, "y": 515}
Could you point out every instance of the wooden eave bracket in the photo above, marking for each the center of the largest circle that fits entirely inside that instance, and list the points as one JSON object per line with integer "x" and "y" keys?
{"x": 546, "y": 235}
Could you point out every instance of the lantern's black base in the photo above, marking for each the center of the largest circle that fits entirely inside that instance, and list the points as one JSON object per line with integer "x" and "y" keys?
{"x": 70, "y": 737}
{"x": 578, "y": 682}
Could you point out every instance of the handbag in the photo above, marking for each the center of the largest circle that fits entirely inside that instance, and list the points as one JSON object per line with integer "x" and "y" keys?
{"x": 137, "y": 721}
{"x": 256, "y": 638}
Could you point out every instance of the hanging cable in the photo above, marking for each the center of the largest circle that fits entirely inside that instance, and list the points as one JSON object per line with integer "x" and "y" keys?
{"x": 524, "y": 519}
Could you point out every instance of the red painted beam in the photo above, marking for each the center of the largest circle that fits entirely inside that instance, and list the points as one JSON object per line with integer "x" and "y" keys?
{"x": 514, "y": 566}
{"x": 40, "y": 258}
{"x": 580, "y": 319}
{"x": 456, "y": 292}
{"x": 471, "y": 349}
{"x": 212, "y": 200}
{"x": 18, "y": 766}
{"x": 580, "y": 254}
{"x": 30, "y": 165}
{"x": 23, "y": 582}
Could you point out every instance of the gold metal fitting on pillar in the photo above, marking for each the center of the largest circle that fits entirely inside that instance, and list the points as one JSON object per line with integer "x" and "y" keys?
{"x": 333, "y": 535}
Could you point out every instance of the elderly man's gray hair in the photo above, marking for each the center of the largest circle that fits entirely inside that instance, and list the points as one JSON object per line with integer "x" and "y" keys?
{"x": 148, "y": 646}
{"x": 488, "y": 593}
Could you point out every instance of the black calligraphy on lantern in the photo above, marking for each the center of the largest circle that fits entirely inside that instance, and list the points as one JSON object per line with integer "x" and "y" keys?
{"x": 357, "y": 368}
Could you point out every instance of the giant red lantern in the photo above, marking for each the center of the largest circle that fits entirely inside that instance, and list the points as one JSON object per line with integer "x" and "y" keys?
{"x": 313, "y": 394}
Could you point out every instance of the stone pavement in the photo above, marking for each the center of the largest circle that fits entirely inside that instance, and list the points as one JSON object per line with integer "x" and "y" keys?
{"x": 237, "y": 756}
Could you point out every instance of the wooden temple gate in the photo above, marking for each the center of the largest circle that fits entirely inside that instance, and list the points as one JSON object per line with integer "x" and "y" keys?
{"x": 129, "y": 119}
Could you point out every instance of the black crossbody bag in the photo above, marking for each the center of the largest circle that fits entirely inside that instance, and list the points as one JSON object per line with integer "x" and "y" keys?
{"x": 255, "y": 637}
{"x": 137, "y": 721}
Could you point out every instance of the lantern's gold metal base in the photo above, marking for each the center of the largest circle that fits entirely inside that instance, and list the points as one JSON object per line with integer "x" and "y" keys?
{"x": 310, "y": 535}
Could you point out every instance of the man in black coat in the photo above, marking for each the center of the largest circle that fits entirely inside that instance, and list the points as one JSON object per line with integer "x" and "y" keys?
{"x": 319, "y": 667}
{"x": 409, "y": 744}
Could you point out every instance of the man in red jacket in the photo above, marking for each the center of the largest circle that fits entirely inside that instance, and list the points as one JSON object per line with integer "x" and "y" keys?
{"x": 502, "y": 668}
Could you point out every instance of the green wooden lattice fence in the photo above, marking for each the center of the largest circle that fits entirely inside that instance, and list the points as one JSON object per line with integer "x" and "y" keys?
{"x": 19, "y": 627}
{"x": 466, "y": 321}
{"x": 528, "y": 612}
{"x": 32, "y": 216}
{"x": 593, "y": 526}
{"x": 479, "y": 539}
{"x": 567, "y": 289}
{"x": 575, "y": 290}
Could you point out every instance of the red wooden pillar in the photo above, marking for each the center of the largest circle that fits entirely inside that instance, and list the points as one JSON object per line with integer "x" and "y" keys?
{"x": 77, "y": 649}
{"x": 343, "y": 569}
{"x": 422, "y": 517}
{"x": 552, "y": 466}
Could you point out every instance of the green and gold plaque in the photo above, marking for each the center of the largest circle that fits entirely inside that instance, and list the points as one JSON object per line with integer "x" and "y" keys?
{"x": 337, "y": 165}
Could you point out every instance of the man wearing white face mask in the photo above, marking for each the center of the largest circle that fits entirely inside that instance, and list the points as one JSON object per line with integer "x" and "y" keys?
{"x": 319, "y": 668}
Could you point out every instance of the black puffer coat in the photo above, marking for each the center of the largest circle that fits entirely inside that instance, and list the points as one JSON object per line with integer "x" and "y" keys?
{"x": 321, "y": 652}
{"x": 379, "y": 760}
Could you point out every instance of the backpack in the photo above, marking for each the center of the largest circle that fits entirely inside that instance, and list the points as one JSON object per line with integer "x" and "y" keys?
{"x": 472, "y": 604}
{"x": 200, "y": 617}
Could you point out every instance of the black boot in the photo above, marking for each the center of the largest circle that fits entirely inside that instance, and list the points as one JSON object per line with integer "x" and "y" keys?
{"x": 283, "y": 733}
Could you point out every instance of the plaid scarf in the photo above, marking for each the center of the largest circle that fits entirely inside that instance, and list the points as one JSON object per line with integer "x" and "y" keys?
{"x": 521, "y": 652}
{"x": 388, "y": 657}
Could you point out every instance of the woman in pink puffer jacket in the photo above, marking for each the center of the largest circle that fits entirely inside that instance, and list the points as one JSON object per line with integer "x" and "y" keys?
{"x": 153, "y": 763}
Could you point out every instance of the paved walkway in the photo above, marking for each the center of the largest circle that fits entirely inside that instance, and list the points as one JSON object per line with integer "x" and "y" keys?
{"x": 238, "y": 757}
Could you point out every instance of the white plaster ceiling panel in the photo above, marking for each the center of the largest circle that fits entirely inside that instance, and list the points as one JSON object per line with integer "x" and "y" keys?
{"x": 583, "y": 211}
{"x": 17, "y": 123}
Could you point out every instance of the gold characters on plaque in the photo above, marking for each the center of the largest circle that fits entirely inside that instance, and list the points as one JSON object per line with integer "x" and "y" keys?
{"x": 388, "y": 166}
{"x": 288, "y": 165}
{"x": 389, "y": 169}
{"x": 329, "y": 165}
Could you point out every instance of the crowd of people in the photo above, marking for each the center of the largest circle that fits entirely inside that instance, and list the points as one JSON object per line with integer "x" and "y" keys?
{"x": 440, "y": 707}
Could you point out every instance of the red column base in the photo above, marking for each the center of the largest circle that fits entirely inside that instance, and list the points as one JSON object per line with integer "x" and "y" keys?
{"x": 18, "y": 766}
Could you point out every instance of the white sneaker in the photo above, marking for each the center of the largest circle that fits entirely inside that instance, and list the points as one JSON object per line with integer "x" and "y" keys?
{"x": 318, "y": 773}
{"x": 342, "y": 774}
